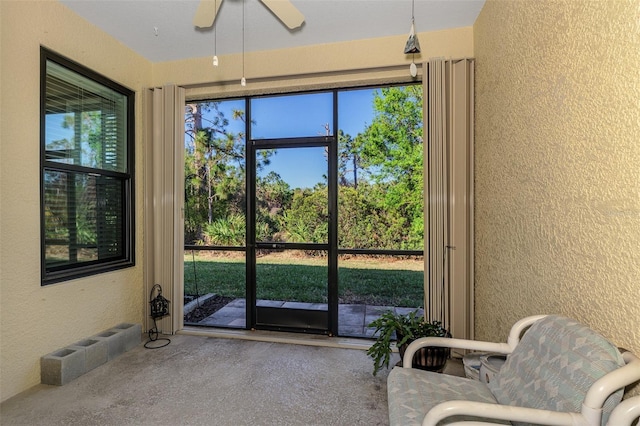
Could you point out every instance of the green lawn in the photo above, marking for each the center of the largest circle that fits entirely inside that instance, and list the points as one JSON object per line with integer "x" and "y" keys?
{"x": 375, "y": 282}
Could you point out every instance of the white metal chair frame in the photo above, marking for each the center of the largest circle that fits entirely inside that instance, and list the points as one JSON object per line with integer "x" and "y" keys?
{"x": 590, "y": 415}
{"x": 626, "y": 412}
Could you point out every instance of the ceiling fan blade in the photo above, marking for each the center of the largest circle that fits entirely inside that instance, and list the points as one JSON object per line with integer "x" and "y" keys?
{"x": 286, "y": 12}
{"x": 206, "y": 13}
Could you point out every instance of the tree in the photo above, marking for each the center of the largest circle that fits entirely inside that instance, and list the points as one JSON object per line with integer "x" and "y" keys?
{"x": 381, "y": 167}
{"x": 348, "y": 159}
{"x": 308, "y": 218}
{"x": 273, "y": 199}
{"x": 389, "y": 151}
{"x": 214, "y": 167}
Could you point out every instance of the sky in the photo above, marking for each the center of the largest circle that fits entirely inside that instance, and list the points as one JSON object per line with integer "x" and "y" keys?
{"x": 299, "y": 116}
{"x": 288, "y": 116}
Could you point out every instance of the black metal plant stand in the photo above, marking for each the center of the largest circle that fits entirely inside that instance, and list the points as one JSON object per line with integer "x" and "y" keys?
{"x": 159, "y": 309}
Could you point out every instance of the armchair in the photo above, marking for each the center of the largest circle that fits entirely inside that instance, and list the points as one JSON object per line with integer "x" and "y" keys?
{"x": 558, "y": 372}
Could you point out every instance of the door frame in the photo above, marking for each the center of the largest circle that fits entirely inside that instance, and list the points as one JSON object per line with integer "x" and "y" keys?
{"x": 305, "y": 321}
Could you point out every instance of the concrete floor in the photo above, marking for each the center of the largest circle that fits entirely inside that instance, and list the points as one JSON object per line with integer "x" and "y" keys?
{"x": 244, "y": 378}
{"x": 199, "y": 380}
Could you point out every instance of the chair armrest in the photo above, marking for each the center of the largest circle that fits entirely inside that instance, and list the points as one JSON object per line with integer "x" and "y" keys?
{"x": 504, "y": 348}
{"x": 626, "y": 412}
{"x": 608, "y": 384}
{"x": 499, "y": 412}
{"x": 447, "y": 342}
{"x": 611, "y": 382}
{"x": 519, "y": 327}
{"x": 591, "y": 414}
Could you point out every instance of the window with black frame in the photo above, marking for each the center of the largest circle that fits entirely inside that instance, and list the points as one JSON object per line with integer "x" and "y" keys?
{"x": 87, "y": 136}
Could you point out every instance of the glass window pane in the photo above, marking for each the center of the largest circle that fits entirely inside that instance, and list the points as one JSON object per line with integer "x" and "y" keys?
{"x": 356, "y": 110}
{"x": 214, "y": 288}
{"x": 291, "y": 116}
{"x": 215, "y": 206}
{"x": 371, "y": 285}
{"x": 291, "y": 196}
{"x": 86, "y": 172}
{"x": 380, "y": 176}
{"x": 85, "y": 123}
{"x": 83, "y": 218}
{"x": 285, "y": 279}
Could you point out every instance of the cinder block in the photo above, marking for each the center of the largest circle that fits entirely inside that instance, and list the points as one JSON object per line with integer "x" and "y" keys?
{"x": 115, "y": 343}
{"x": 62, "y": 366}
{"x": 96, "y": 352}
{"x": 130, "y": 333}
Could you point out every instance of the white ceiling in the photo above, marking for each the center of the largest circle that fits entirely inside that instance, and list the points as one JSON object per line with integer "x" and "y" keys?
{"x": 162, "y": 30}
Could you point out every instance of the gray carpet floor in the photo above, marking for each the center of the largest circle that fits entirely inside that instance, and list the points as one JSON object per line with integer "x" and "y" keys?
{"x": 214, "y": 381}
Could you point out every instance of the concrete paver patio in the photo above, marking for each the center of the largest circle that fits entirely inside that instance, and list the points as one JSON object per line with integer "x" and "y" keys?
{"x": 352, "y": 318}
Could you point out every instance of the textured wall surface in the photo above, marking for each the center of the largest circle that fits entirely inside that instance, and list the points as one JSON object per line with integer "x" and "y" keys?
{"x": 37, "y": 320}
{"x": 558, "y": 165}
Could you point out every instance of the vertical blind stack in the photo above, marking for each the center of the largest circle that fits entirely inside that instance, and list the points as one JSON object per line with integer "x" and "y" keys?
{"x": 164, "y": 185}
{"x": 448, "y": 94}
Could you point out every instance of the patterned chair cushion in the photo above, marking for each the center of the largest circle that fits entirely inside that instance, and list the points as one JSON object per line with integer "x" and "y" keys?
{"x": 554, "y": 365}
{"x": 412, "y": 393}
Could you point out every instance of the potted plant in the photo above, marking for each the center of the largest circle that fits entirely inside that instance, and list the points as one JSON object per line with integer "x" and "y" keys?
{"x": 407, "y": 328}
